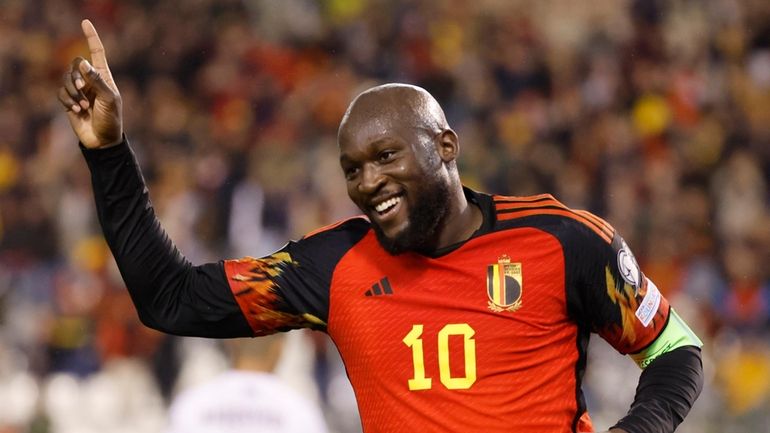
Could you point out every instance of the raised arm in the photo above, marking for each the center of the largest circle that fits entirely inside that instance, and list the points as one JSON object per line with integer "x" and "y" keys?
{"x": 234, "y": 298}
{"x": 170, "y": 293}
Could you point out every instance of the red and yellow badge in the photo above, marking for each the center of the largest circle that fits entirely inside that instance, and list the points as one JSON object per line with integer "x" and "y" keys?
{"x": 504, "y": 285}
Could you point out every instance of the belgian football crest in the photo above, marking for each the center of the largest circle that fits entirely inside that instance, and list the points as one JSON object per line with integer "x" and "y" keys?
{"x": 504, "y": 285}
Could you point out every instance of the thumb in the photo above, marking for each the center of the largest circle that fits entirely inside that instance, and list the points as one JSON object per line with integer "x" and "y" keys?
{"x": 93, "y": 79}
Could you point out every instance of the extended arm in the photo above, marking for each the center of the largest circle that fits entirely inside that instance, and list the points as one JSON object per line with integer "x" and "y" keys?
{"x": 170, "y": 294}
{"x": 234, "y": 298}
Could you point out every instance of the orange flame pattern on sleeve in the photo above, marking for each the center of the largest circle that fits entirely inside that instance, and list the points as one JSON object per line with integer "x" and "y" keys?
{"x": 253, "y": 283}
{"x": 630, "y": 335}
{"x": 625, "y": 298}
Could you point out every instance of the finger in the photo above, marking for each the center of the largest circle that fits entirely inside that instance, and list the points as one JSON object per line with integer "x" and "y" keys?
{"x": 95, "y": 46}
{"x": 67, "y": 101}
{"x": 94, "y": 80}
{"x": 77, "y": 78}
{"x": 75, "y": 84}
{"x": 77, "y": 95}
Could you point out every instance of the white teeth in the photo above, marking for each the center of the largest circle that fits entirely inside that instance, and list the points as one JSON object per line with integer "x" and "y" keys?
{"x": 387, "y": 204}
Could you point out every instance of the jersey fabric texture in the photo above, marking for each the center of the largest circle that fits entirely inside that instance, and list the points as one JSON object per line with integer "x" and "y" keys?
{"x": 515, "y": 304}
{"x": 488, "y": 335}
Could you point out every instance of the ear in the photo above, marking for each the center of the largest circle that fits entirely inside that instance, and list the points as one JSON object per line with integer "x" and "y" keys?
{"x": 447, "y": 145}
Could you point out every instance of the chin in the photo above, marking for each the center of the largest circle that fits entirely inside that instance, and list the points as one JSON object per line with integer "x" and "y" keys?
{"x": 397, "y": 234}
{"x": 420, "y": 230}
{"x": 395, "y": 244}
{"x": 405, "y": 240}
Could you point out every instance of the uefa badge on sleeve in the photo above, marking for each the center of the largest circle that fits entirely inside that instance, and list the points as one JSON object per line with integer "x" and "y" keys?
{"x": 504, "y": 285}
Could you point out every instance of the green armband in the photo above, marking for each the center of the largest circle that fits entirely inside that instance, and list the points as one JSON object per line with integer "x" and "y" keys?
{"x": 675, "y": 334}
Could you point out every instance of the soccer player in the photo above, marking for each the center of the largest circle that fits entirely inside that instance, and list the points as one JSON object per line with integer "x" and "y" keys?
{"x": 453, "y": 310}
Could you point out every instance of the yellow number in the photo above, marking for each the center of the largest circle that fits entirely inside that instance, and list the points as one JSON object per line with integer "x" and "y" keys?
{"x": 469, "y": 345}
{"x": 414, "y": 340}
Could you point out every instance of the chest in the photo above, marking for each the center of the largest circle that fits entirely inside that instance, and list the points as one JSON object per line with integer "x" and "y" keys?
{"x": 501, "y": 295}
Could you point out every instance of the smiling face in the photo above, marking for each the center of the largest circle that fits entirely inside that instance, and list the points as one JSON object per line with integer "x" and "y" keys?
{"x": 394, "y": 169}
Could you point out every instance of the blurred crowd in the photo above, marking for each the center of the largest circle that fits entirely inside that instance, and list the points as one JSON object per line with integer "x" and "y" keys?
{"x": 654, "y": 114}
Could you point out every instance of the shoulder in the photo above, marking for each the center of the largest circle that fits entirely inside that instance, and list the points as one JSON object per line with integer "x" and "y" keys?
{"x": 352, "y": 225}
{"x": 546, "y": 212}
{"x": 328, "y": 244}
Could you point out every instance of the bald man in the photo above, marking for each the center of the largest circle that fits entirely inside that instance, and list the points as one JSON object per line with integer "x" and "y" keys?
{"x": 453, "y": 310}
{"x": 398, "y": 132}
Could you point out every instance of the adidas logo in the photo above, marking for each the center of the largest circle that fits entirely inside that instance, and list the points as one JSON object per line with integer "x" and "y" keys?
{"x": 381, "y": 288}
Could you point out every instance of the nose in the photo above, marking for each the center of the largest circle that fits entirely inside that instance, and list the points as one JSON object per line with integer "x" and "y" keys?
{"x": 372, "y": 179}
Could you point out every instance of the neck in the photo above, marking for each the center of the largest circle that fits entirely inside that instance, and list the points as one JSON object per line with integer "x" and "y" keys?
{"x": 462, "y": 221}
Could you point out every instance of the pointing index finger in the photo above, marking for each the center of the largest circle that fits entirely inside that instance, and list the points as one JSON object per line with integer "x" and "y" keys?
{"x": 95, "y": 46}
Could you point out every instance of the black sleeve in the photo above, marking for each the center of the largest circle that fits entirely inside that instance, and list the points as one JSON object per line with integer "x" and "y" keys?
{"x": 607, "y": 292}
{"x": 170, "y": 294}
{"x": 667, "y": 389}
{"x": 611, "y": 296}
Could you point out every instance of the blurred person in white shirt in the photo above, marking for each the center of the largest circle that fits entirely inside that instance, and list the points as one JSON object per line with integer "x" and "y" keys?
{"x": 247, "y": 398}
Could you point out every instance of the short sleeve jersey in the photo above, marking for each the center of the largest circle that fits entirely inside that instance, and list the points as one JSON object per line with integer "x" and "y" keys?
{"x": 488, "y": 335}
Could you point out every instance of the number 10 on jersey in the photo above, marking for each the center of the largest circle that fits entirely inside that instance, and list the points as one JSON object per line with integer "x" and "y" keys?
{"x": 414, "y": 340}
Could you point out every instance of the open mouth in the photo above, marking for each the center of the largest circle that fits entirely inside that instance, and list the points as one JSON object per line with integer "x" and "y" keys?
{"x": 388, "y": 206}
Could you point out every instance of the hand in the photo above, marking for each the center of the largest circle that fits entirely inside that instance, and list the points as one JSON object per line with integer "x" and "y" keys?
{"x": 91, "y": 98}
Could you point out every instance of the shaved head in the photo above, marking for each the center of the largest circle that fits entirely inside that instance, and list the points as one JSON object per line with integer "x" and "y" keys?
{"x": 399, "y": 158}
{"x": 394, "y": 103}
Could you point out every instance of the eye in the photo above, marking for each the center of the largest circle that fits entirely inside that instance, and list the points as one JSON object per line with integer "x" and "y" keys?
{"x": 386, "y": 156}
{"x": 350, "y": 172}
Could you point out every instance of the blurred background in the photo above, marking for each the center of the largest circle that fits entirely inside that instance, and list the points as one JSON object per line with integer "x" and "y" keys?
{"x": 653, "y": 114}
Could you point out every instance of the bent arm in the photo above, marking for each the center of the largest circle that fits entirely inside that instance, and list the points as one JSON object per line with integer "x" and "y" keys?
{"x": 671, "y": 381}
{"x": 170, "y": 294}
{"x": 667, "y": 389}
{"x": 616, "y": 300}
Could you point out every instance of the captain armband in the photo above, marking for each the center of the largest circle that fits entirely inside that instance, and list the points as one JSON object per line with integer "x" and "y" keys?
{"x": 675, "y": 334}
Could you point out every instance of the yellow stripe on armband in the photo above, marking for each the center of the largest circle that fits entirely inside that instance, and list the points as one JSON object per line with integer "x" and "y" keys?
{"x": 675, "y": 334}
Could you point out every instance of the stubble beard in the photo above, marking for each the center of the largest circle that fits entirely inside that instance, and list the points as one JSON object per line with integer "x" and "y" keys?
{"x": 424, "y": 221}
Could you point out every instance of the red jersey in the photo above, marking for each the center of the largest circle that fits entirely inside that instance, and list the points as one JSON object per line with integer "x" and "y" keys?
{"x": 488, "y": 335}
